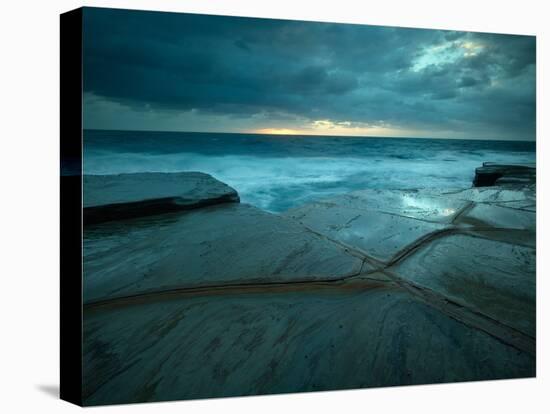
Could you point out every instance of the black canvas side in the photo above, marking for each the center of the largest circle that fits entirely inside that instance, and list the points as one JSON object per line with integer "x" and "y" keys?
{"x": 71, "y": 207}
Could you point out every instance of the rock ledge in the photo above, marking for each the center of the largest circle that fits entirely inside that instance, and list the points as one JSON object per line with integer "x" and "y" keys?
{"x": 114, "y": 197}
{"x": 498, "y": 174}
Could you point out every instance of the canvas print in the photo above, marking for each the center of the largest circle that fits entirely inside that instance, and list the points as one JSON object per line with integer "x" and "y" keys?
{"x": 276, "y": 206}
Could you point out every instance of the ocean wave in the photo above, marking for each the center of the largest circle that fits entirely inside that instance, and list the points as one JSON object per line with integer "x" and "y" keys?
{"x": 278, "y": 183}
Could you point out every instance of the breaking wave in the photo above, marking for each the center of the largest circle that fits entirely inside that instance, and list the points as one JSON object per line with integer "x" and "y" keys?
{"x": 280, "y": 173}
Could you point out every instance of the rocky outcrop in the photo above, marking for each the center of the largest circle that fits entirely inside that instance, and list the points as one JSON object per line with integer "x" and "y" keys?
{"x": 501, "y": 174}
{"x": 115, "y": 197}
{"x": 371, "y": 288}
{"x": 233, "y": 244}
{"x": 474, "y": 247}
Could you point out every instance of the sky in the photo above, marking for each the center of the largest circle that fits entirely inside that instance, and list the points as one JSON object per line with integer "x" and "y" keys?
{"x": 190, "y": 72}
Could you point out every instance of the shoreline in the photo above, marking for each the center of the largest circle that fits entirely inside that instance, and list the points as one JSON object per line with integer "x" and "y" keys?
{"x": 363, "y": 268}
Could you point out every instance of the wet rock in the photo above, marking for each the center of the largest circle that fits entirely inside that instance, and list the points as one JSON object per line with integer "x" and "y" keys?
{"x": 371, "y": 288}
{"x": 527, "y": 205}
{"x": 482, "y": 256}
{"x": 498, "y": 174}
{"x": 376, "y": 234}
{"x": 249, "y": 344}
{"x": 427, "y": 205}
{"x": 121, "y": 196}
{"x": 499, "y": 216}
{"x": 379, "y": 223}
{"x": 219, "y": 245}
{"x": 491, "y": 277}
{"x": 524, "y": 194}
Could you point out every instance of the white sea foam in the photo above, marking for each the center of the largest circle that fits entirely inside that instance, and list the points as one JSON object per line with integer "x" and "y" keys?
{"x": 278, "y": 183}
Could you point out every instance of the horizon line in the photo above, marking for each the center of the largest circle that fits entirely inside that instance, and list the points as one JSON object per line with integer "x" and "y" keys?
{"x": 310, "y": 135}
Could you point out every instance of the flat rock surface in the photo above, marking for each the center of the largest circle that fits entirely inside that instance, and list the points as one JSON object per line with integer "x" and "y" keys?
{"x": 502, "y": 195}
{"x": 380, "y": 223}
{"x": 475, "y": 247}
{"x": 225, "y": 244}
{"x": 377, "y": 234}
{"x": 371, "y": 288}
{"x": 246, "y": 344}
{"x": 108, "y": 197}
{"x": 496, "y": 216}
{"x": 407, "y": 203}
{"x": 494, "y": 278}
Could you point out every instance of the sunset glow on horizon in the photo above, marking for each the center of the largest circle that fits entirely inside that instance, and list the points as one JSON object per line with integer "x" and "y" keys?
{"x": 325, "y": 127}
{"x": 278, "y": 131}
{"x": 281, "y": 77}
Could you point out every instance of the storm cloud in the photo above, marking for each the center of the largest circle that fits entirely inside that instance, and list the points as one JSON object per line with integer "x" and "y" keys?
{"x": 172, "y": 71}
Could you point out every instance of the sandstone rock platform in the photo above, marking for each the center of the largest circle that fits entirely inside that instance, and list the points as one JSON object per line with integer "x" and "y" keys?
{"x": 371, "y": 288}
{"x": 113, "y": 197}
{"x": 502, "y": 174}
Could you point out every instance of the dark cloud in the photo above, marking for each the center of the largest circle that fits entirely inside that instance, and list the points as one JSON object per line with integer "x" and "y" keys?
{"x": 479, "y": 85}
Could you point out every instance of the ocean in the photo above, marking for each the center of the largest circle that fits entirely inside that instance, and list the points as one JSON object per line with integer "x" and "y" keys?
{"x": 276, "y": 172}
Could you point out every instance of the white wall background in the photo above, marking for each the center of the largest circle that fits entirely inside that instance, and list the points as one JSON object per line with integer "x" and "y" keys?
{"x": 29, "y": 147}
